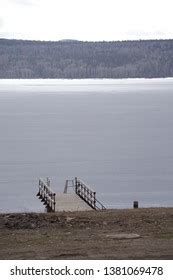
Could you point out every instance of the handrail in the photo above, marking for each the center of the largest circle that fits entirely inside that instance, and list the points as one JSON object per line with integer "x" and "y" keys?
{"x": 47, "y": 195}
{"x": 87, "y": 194}
{"x": 67, "y": 185}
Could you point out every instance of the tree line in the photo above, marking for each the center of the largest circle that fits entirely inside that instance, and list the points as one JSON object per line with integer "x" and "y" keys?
{"x": 76, "y": 59}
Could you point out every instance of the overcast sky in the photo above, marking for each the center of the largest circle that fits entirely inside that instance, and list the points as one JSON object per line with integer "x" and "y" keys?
{"x": 88, "y": 20}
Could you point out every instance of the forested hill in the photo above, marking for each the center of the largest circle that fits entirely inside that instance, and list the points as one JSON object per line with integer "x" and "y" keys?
{"x": 76, "y": 59}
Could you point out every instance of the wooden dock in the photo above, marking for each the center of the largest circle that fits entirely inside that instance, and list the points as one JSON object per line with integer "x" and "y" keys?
{"x": 81, "y": 197}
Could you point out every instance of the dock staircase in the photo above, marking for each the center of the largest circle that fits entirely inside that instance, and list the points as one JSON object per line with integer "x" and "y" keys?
{"x": 80, "y": 198}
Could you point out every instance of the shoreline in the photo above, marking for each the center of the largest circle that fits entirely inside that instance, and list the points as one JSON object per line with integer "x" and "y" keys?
{"x": 96, "y": 211}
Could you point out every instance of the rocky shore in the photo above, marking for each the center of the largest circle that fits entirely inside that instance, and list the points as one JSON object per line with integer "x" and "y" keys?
{"x": 109, "y": 234}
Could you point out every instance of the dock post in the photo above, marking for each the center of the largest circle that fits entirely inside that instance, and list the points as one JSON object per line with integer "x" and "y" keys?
{"x": 94, "y": 193}
{"x": 48, "y": 181}
{"x": 54, "y": 202}
{"x": 75, "y": 184}
{"x": 66, "y": 186}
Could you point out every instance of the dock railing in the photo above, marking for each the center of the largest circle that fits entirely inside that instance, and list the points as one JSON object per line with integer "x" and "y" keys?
{"x": 87, "y": 194}
{"x": 46, "y": 195}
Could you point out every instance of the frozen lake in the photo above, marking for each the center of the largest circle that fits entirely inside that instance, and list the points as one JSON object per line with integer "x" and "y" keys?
{"x": 116, "y": 135}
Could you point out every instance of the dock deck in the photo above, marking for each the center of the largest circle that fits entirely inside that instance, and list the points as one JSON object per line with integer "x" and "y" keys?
{"x": 70, "y": 202}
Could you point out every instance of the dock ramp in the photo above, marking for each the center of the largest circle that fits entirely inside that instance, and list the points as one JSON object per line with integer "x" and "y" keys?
{"x": 80, "y": 198}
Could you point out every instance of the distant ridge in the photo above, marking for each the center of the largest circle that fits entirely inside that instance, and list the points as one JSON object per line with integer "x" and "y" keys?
{"x": 73, "y": 59}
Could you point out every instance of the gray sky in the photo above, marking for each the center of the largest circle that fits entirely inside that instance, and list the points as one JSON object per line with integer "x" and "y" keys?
{"x": 88, "y": 20}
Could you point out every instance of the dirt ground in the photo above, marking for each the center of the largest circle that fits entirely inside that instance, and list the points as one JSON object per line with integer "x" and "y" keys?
{"x": 88, "y": 235}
